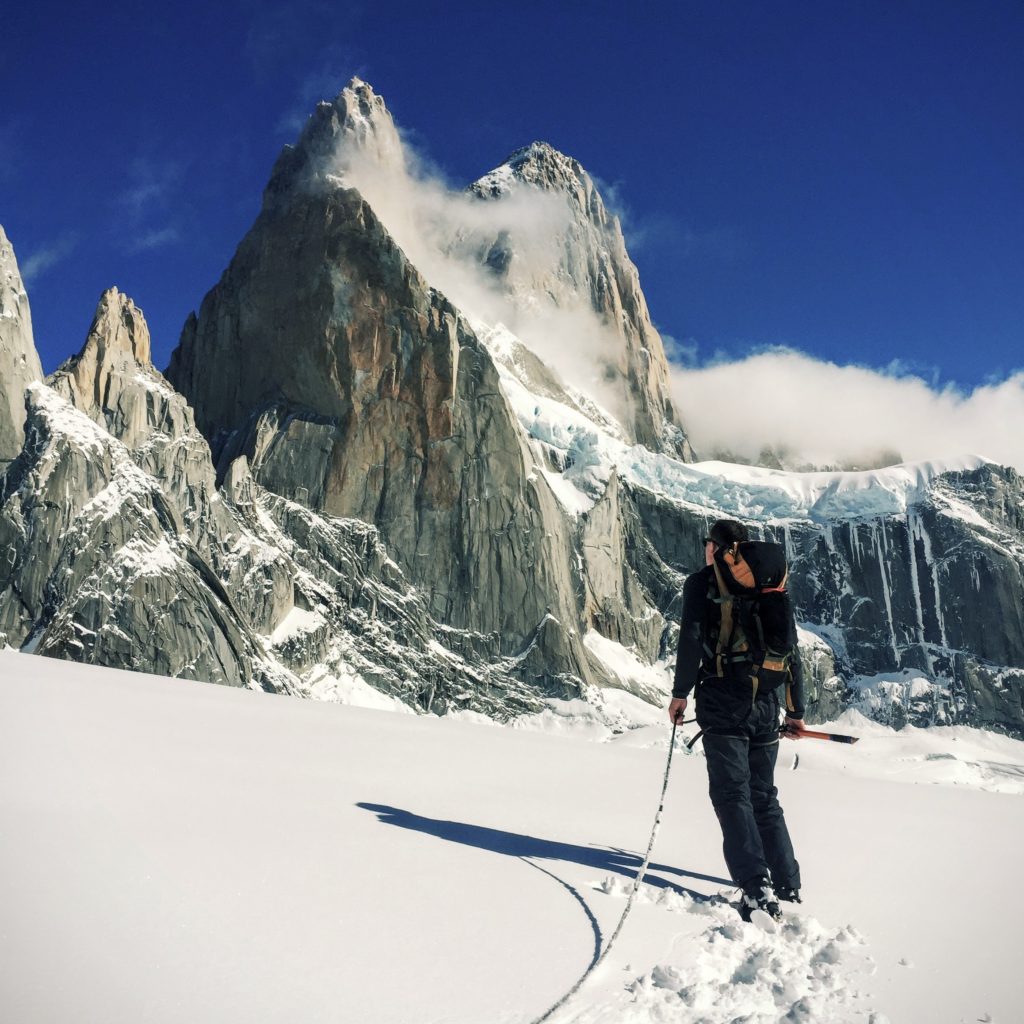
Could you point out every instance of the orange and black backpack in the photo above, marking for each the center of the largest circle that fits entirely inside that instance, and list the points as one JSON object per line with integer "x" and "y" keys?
{"x": 750, "y": 636}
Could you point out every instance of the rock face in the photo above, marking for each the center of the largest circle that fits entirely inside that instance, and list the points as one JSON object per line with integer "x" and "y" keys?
{"x": 99, "y": 514}
{"x": 97, "y": 570}
{"x": 19, "y": 361}
{"x": 590, "y": 266}
{"x": 120, "y": 550}
{"x": 936, "y": 593}
{"x": 112, "y": 381}
{"x": 932, "y": 596}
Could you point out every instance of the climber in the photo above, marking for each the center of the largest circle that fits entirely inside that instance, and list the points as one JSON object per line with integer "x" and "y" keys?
{"x": 737, "y": 648}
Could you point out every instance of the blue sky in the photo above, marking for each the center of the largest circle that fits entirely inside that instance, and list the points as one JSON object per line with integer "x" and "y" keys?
{"x": 842, "y": 178}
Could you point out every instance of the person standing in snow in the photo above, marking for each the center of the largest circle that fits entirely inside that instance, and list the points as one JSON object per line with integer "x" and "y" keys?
{"x": 737, "y": 696}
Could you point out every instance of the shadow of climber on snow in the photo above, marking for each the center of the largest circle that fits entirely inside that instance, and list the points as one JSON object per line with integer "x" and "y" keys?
{"x": 513, "y": 844}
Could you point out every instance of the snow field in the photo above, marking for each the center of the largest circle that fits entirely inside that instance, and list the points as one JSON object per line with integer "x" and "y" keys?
{"x": 175, "y": 851}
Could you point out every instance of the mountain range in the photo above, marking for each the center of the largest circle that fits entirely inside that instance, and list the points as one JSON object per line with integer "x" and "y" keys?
{"x": 418, "y": 448}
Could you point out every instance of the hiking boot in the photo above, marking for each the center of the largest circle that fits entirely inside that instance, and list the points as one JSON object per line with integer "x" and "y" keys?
{"x": 787, "y": 895}
{"x": 759, "y": 895}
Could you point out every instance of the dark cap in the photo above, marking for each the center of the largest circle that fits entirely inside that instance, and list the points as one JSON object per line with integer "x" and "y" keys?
{"x": 726, "y": 532}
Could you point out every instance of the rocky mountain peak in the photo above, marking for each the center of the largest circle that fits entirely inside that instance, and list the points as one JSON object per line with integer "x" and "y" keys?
{"x": 19, "y": 361}
{"x": 117, "y": 337}
{"x": 112, "y": 381}
{"x": 539, "y": 163}
{"x": 540, "y": 152}
{"x": 356, "y": 125}
{"x": 119, "y": 329}
{"x": 362, "y": 112}
{"x": 10, "y": 277}
{"x": 542, "y": 166}
{"x": 592, "y": 270}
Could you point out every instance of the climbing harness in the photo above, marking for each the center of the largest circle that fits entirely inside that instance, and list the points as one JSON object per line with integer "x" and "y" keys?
{"x": 632, "y": 896}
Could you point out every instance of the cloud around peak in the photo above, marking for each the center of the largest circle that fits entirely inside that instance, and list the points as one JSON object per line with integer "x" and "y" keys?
{"x": 815, "y": 412}
{"x": 452, "y": 236}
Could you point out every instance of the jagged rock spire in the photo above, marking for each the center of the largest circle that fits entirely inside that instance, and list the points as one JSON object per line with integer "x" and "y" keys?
{"x": 118, "y": 335}
{"x": 19, "y": 361}
{"x": 541, "y": 165}
{"x": 114, "y": 383}
{"x": 356, "y": 123}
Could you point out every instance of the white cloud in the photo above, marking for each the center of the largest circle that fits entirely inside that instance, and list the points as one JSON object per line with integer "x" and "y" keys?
{"x": 151, "y": 187}
{"x": 822, "y": 413}
{"x": 678, "y": 350}
{"x": 48, "y": 256}
{"x": 147, "y": 204}
{"x": 154, "y": 239}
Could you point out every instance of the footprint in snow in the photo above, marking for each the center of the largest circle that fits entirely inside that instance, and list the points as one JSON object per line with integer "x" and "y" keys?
{"x": 762, "y": 972}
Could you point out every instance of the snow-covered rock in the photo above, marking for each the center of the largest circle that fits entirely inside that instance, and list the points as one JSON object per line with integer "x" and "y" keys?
{"x": 99, "y": 567}
{"x": 587, "y": 268}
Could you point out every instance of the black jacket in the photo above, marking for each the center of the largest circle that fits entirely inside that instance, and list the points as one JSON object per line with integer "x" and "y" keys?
{"x": 690, "y": 667}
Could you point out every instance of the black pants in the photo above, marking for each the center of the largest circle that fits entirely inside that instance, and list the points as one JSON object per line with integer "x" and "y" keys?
{"x": 741, "y": 777}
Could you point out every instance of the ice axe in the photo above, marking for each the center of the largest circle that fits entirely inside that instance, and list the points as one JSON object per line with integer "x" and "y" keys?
{"x": 811, "y": 734}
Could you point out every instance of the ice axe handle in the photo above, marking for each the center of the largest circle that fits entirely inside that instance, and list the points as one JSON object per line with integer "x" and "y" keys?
{"x": 811, "y": 734}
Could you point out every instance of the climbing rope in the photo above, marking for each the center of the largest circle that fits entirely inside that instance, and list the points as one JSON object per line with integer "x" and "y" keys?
{"x": 632, "y": 896}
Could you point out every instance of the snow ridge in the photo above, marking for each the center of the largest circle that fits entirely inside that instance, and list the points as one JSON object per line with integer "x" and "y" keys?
{"x": 592, "y": 448}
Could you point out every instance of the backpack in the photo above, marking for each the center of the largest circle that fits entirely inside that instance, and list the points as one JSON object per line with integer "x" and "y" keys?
{"x": 751, "y": 636}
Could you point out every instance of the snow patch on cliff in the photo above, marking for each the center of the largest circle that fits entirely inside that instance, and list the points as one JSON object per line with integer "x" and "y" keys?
{"x": 721, "y": 488}
{"x": 296, "y": 622}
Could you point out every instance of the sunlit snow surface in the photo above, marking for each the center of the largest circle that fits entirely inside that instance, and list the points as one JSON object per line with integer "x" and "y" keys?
{"x": 173, "y": 851}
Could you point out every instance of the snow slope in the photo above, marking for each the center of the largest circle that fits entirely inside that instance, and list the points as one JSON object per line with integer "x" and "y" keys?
{"x": 173, "y": 851}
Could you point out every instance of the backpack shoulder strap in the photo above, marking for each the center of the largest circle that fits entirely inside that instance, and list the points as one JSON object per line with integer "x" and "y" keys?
{"x": 726, "y": 625}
